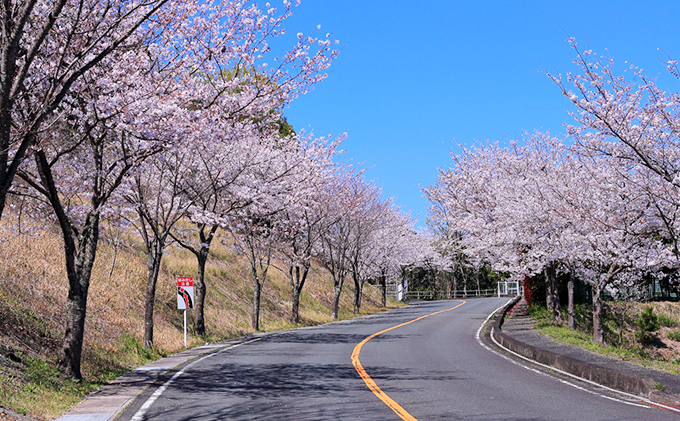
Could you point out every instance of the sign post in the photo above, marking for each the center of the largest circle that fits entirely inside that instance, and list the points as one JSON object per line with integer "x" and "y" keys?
{"x": 185, "y": 298}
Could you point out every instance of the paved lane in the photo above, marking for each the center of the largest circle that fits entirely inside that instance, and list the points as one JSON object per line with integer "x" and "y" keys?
{"x": 434, "y": 368}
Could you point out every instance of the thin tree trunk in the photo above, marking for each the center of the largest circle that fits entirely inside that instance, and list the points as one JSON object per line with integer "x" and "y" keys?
{"x": 570, "y": 304}
{"x": 297, "y": 281}
{"x": 448, "y": 288}
{"x": 72, "y": 346}
{"x": 549, "y": 295}
{"x": 597, "y": 313}
{"x": 153, "y": 264}
{"x": 455, "y": 284}
{"x": 201, "y": 284}
{"x": 255, "y": 315}
{"x": 598, "y": 288}
{"x": 337, "y": 290}
{"x": 358, "y": 286}
{"x": 435, "y": 287}
{"x": 295, "y": 310}
{"x": 383, "y": 285}
{"x": 200, "y": 289}
{"x": 552, "y": 293}
{"x": 116, "y": 245}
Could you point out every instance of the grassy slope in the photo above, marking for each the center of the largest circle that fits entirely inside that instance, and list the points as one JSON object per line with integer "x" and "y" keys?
{"x": 663, "y": 353}
{"x": 33, "y": 290}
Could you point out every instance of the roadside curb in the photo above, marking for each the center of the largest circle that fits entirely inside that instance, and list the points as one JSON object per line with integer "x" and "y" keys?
{"x": 108, "y": 402}
{"x": 643, "y": 387}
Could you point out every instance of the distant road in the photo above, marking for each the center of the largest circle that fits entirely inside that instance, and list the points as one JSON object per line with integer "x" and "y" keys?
{"x": 430, "y": 369}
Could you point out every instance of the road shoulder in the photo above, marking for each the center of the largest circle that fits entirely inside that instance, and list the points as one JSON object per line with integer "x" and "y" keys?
{"x": 518, "y": 335}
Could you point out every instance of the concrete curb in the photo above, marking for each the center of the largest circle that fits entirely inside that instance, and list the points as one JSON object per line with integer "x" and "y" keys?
{"x": 643, "y": 387}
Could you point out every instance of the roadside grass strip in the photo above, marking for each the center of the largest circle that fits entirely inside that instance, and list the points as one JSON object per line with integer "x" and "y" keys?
{"x": 372, "y": 386}
{"x": 635, "y": 400}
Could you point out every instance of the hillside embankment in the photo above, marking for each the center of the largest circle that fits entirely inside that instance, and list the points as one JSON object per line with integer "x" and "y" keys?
{"x": 33, "y": 291}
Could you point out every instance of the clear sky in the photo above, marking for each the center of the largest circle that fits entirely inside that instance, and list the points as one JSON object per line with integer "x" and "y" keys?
{"x": 414, "y": 79}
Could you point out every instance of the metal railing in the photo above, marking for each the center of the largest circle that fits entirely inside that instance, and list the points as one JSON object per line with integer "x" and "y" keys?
{"x": 507, "y": 288}
{"x": 446, "y": 295}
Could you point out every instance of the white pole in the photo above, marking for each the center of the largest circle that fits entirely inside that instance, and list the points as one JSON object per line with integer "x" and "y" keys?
{"x": 185, "y": 328}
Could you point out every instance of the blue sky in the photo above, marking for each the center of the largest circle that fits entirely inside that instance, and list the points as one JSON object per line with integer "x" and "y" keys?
{"x": 416, "y": 78}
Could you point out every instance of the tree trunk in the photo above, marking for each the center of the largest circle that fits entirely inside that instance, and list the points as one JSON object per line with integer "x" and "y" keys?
{"x": 153, "y": 264}
{"x": 79, "y": 276}
{"x": 358, "y": 286}
{"x": 73, "y": 338}
{"x": 597, "y": 313}
{"x": 200, "y": 290}
{"x": 79, "y": 262}
{"x": 337, "y": 290}
{"x": 258, "y": 283}
{"x": 448, "y": 288}
{"x": 295, "y": 310}
{"x": 552, "y": 293}
{"x": 255, "y": 316}
{"x": 549, "y": 295}
{"x": 435, "y": 287}
{"x": 383, "y": 286}
{"x": 201, "y": 285}
{"x": 297, "y": 281}
{"x": 570, "y": 303}
{"x": 455, "y": 284}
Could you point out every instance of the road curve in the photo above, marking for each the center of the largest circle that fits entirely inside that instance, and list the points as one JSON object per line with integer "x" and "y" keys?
{"x": 433, "y": 368}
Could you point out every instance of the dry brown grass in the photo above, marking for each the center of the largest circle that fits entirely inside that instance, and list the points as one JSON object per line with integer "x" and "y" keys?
{"x": 33, "y": 291}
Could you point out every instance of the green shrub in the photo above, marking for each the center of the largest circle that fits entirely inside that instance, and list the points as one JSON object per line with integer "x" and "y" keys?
{"x": 648, "y": 323}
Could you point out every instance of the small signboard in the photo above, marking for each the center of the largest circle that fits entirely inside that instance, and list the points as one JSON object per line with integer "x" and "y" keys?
{"x": 185, "y": 293}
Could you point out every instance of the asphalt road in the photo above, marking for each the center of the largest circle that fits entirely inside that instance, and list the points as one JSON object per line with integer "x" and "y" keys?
{"x": 431, "y": 369}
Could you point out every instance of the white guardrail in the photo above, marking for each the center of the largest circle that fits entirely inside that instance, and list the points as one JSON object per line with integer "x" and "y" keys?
{"x": 509, "y": 289}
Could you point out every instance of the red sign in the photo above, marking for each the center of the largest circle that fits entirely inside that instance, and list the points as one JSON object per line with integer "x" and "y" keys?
{"x": 185, "y": 293}
{"x": 185, "y": 281}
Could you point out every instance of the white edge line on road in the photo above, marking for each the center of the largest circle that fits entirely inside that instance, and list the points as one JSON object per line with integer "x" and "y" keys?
{"x": 139, "y": 415}
{"x": 479, "y": 340}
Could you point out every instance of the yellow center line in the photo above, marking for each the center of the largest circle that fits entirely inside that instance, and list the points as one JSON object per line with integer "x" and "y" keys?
{"x": 394, "y": 406}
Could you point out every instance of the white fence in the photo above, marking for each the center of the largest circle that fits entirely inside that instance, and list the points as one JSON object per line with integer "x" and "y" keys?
{"x": 509, "y": 288}
{"x": 506, "y": 288}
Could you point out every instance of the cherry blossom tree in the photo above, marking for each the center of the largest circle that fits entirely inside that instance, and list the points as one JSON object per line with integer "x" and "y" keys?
{"x": 157, "y": 196}
{"x": 305, "y": 219}
{"x": 364, "y": 220}
{"x": 392, "y": 247}
{"x": 83, "y": 159}
{"x": 629, "y": 118}
{"x": 548, "y": 207}
{"x": 217, "y": 184}
{"x": 333, "y": 251}
{"x": 46, "y": 48}
{"x": 281, "y": 184}
{"x": 123, "y": 87}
